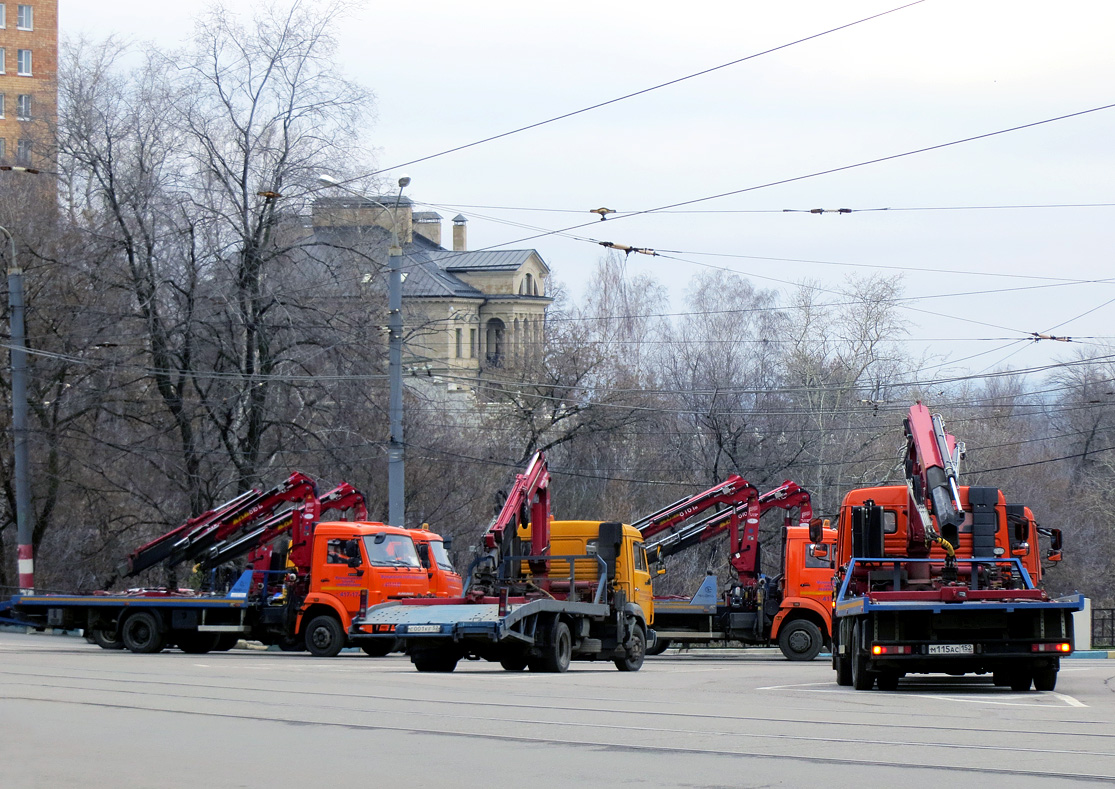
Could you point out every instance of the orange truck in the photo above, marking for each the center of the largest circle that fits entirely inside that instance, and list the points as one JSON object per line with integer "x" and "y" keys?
{"x": 936, "y": 577}
{"x": 304, "y": 584}
{"x": 791, "y": 609}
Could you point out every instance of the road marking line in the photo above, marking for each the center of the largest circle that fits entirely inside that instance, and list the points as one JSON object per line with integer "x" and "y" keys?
{"x": 805, "y": 686}
{"x": 1069, "y": 699}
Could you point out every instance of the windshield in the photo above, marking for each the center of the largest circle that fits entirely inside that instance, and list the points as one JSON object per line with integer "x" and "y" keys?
{"x": 438, "y": 554}
{"x": 391, "y": 550}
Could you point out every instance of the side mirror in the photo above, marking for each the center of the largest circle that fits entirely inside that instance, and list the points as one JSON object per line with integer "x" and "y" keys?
{"x": 1054, "y": 556}
{"x": 660, "y": 571}
{"x": 424, "y": 553}
{"x": 816, "y": 530}
{"x": 1020, "y": 549}
{"x": 354, "y": 561}
{"x": 819, "y": 551}
{"x": 1055, "y": 540}
{"x": 447, "y": 542}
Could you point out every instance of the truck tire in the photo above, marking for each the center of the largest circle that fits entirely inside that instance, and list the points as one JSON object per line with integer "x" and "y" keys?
{"x": 377, "y": 648}
{"x": 557, "y": 651}
{"x": 800, "y": 640}
{"x": 660, "y": 646}
{"x": 862, "y": 679}
{"x": 1020, "y": 680}
{"x": 843, "y": 670}
{"x": 516, "y": 662}
{"x": 324, "y": 636}
{"x": 226, "y": 641}
{"x": 636, "y": 651}
{"x": 197, "y": 643}
{"x": 106, "y": 639}
{"x": 1045, "y": 678}
{"x": 888, "y": 680}
{"x": 439, "y": 659}
{"x": 140, "y": 633}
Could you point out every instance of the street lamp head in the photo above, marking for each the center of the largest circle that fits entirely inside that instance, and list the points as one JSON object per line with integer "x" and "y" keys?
{"x": 327, "y": 180}
{"x": 404, "y": 181}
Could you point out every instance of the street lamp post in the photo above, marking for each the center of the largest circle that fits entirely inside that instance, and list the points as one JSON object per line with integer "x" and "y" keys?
{"x": 396, "y": 487}
{"x": 25, "y": 545}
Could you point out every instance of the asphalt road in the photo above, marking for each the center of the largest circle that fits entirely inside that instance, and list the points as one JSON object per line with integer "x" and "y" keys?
{"x": 73, "y": 715}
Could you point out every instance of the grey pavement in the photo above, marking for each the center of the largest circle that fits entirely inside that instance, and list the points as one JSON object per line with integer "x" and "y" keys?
{"x": 72, "y": 714}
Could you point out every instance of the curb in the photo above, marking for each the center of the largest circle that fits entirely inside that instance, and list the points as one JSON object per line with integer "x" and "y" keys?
{"x": 1094, "y": 654}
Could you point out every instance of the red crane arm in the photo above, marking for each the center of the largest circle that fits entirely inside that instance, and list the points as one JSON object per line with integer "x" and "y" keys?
{"x": 932, "y": 467}
{"x": 197, "y": 535}
{"x": 731, "y": 492}
{"x": 788, "y": 496}
{"x": 743, "y": 542}
{"x": 527, "y": 502}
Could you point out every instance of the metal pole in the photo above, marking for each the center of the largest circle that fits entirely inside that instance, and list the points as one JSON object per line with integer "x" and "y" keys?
{"x": 25, "y": 547}
{"x": 396, "y": 489}
{"x": 395, "y": 478}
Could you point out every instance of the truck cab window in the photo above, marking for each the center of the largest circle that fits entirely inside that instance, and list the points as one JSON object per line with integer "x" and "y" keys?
{"x": 336, "y": 552}
{"x": 391, "y": 550}
{"x": 439, "y": 555}
{"x": 640, "y": 557}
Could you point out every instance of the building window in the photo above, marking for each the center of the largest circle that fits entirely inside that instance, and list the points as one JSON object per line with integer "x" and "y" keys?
{"x": 3, "y": 149}
{"x": 23, "y": 107}
{"x": 23, "y": 153}
{"x": 2, "y": 113}
{"x": 472, "y": 348}
{"x": 3, "y": 61}
{"x": 25, "y": 17}
{"x": 3, "y": 15}
{"x": 23, "y": 62}
{"x": 460, "y": 343}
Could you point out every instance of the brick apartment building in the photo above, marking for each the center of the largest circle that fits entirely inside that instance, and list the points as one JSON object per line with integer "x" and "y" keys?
{"x": 28, "y": 72}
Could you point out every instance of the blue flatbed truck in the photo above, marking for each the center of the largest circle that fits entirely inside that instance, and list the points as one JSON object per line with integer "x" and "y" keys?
{"x": 148, "y": 621}
{"x": 931, "y": 577}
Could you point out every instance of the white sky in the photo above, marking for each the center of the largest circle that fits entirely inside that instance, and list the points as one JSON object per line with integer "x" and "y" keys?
{"x": 449, "y": 73}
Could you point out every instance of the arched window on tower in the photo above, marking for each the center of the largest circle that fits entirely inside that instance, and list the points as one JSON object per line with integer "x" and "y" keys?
{"x": 493, "y": 342}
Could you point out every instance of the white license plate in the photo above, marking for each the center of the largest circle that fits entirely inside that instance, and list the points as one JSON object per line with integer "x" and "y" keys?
{"x": 424, "y": 629}
{"x": 951, "y": 649}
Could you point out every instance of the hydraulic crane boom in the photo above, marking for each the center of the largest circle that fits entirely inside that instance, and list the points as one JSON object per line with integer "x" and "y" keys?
{"x": 732, "y": 492}
{"x": 932, "y": 467}
{"x": 788, "y": 496}
{"x": 299, "y": 521}
{"x": 190, "y": 540}
{"x": 527, "y": 502}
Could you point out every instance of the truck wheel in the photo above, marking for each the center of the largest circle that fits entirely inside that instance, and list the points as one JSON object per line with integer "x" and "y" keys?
{"x": 888, "y": 680}
{"x": 800, "y": 640}
{"x": 197, "y": 643}
{"x": 558, "y": 651}
{"x": 442, "y": 660}
{"x": 141, "y": 634}
{"x": 292, "y": 644}
{"x": 324, "y": 636}
{"x": 636, "y": 651}
{"x": 106, "y": 639}
{"x": 1000, "y": 678}
{"x": 843, "y": 671}
{"x": 516, "y": 662}
{"x": 862, "y": 679}
{"x": 1045, "y": 678}
{"x": 377, "y": 648}
{"x": 1020, "y": 680}
{"x": 226, "y": 641}
{"x": 660, "y": 646}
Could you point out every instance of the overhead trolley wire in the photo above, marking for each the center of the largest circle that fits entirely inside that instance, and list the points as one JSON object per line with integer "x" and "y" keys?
{"x": 632, "y": 95}
{"x": 814, "y": 174}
